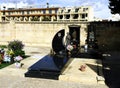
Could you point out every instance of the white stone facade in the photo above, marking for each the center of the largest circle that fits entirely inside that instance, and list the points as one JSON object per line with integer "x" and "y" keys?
{"x": 83, "y": 13}
{"x": 37, "y": 33}
{"x": 28, "y": 14}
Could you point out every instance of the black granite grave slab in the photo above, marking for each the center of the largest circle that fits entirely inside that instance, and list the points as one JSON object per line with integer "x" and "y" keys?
{"x": 47, "y": 67}
{"x": 50, "y": 66}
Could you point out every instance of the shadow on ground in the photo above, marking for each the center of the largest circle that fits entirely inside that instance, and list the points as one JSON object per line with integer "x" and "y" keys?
{"x": 111, "y": 70}
{"x": 93, "y": 67}
{"x": 111, "y": 67}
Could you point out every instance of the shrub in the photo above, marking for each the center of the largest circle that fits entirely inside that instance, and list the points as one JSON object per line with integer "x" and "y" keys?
{"x": 19, "y": 52}
{"x": 16, "y": 46}
{"x": 3, "y": 46}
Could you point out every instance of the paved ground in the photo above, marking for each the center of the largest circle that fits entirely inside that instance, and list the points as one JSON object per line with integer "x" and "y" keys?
{"x": 12, "y": 77}
{"x": 72, "y": 71}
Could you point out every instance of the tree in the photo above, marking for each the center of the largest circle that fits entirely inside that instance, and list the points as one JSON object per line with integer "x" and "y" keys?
{"x": 114, "y": 6}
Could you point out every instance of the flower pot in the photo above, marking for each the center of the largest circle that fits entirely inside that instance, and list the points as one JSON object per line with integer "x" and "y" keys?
{"x": 82, "y": 68}
{"x": 17, "y": 64}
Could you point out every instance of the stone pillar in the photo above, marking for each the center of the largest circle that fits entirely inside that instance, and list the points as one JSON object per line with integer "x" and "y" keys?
{"x": 7, "y": 19}
{"x": 79, "y": 17}
{"x": 29, "y": 19}
{"x": 16, "y": 19}
{"x": 71, "y": 17}
{"x": 52, "y": 18}
{"x": 63, "y": 17}
{"x": 20, "y": 19}
{"x": 83, "y": 35}
{"x": 11, "y": 18}
{"x": 41, "y": 17}
{"x": 25, "y": 19}
{"x": 57, "y": 17}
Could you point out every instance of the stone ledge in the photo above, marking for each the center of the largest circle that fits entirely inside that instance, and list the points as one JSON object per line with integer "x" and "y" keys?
{"x": 100, "y": 78}
{"x": 72, "y": 73}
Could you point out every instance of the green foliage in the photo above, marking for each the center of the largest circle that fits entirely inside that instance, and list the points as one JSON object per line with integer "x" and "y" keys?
{"x": 114, "y": 6}
{"x": 10, "y": 52}
{"x": 15, "y": 45}
{"x": 19, "y": 52}
{"x": 3, "y": 46}
{"x": 3, "y": 65}
{"x": 1, "y": 58}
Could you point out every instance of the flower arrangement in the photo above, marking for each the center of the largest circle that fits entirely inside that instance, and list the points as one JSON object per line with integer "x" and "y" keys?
{"x": 69, "y": 47}
{"x": 10, "y": 52}
{"x": 16, "y": 47}
{"x": 18, "y": 58}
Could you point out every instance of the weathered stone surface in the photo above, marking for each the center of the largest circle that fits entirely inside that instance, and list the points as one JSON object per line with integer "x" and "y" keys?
{"x": 72, "y": 73}
{"x": 36, "y": 33}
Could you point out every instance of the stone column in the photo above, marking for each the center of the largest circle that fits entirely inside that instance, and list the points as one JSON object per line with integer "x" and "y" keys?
{"x": 16, "y": 19}
{"x": 41, "y": 17}
{"x": 29, "y": 19}
{"x": 57, "y": 17}
{"x": 11, "y": 18}
{"x": 71, "y": 17}
{"x": 79, "y": 17}
{"x": 63, "y": 17}
{"x": 25, "y": 18}
{"x": 20, "y": 19}
{"x": 52, "y": 18}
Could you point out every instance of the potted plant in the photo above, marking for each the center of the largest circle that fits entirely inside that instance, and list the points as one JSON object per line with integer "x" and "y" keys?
{"x": 16, "y": 47}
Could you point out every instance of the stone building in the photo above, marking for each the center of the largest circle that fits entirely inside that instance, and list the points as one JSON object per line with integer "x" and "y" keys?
{"x": 83, "y": 13}
{"x": 29, "y": 14}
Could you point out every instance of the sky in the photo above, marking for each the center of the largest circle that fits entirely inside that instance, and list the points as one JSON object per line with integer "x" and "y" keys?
{"x": 100, "y": 7}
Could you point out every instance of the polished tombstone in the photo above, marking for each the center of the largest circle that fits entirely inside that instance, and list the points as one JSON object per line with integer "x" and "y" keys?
{"x": 58, "y": 41}
{"x": 91, "y": 37}
{"x": 92, "y": 44}
{"x": 50, "y": 66}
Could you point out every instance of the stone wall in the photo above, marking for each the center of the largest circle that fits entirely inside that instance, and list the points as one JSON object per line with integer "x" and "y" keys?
{"x": 107, "y": 35}
{"x": 36, "y": 33}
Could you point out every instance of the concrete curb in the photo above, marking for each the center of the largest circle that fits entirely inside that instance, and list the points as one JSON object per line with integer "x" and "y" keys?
{"x": 100, "y": 77}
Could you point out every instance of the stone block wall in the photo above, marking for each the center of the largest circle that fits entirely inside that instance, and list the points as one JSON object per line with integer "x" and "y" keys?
{"x": 36, "y": 33}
